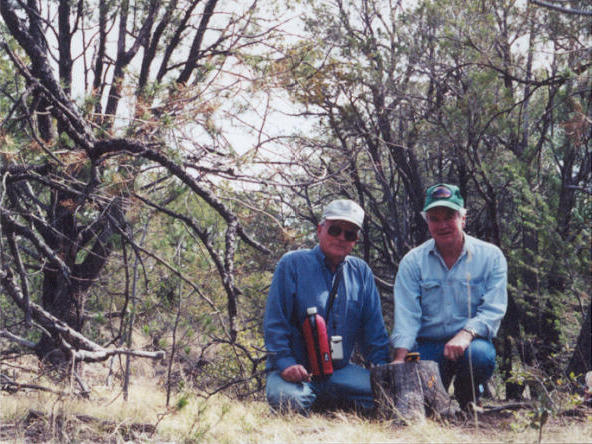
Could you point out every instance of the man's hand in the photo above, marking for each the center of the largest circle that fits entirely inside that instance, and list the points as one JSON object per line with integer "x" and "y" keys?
{"x": 295, "y": 373}
{"x": 455, "y": 348}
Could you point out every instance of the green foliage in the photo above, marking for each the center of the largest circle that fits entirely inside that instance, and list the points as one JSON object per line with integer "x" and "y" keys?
{"x": 548, "y": 397}
{"x": 401, "y": 96}
{"x": 182, "y": 402}
{"x": 467, "y": 92}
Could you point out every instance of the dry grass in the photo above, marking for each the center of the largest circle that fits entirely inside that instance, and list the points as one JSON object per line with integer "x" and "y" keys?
{"x": 106, "y": 417}
{"x": 223, "y": 420}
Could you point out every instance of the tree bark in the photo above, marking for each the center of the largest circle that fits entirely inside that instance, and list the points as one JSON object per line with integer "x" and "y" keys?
{"x": 403, "y": 391}
{"x": 581, "y": 360}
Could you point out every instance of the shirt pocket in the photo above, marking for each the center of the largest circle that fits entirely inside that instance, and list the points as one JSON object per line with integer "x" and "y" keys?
{"x": 467, "y": 294}
{"x": 430, "y": 298}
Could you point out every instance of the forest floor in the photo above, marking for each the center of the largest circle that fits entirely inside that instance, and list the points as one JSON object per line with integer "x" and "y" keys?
{"x": 33, "y": 415}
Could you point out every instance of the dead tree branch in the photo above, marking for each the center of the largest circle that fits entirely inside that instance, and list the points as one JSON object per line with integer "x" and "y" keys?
{"x": 73, "y": 343}
{"x": 560, "y": 8}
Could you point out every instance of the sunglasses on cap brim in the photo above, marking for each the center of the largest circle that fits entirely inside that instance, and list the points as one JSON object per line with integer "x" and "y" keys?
{"x": 441, "y": 193}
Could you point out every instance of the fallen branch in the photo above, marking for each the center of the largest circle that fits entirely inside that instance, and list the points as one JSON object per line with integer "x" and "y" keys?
{"x": 104, "y": 354}
{"x": 21, "y": 368}
{"x": 11, "y": 385}
{"x": 111, "y": 426}
{"x": 508, "y": 406}
{"x": 72, "y": 342}
{"x": 14, "y": 338}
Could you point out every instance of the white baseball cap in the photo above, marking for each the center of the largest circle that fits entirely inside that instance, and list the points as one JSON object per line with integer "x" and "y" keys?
{"x": 344, "y": 209}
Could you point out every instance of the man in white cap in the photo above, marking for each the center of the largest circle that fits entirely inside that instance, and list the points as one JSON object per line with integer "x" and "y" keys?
{"x": 307, "y": 278}
{"x": 450, "y": 297}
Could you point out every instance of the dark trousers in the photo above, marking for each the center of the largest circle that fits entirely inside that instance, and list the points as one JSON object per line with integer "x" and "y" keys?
{"x": 473, "y": 369}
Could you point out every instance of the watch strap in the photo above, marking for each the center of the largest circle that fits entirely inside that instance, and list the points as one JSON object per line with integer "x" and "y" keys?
{"x": 471, "y": 331}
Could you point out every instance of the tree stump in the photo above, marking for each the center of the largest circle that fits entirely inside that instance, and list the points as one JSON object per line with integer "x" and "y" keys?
{"x": 405, "y": 391}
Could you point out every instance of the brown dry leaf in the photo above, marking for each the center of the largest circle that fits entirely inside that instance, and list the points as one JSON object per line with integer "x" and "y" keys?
{"x": 577, "y": 127}
{"x": 73, "y": 160}
{"x": 68, "y": 204}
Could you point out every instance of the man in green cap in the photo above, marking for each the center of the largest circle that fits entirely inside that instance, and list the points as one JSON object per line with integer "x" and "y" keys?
{"x": 450, "y": 297}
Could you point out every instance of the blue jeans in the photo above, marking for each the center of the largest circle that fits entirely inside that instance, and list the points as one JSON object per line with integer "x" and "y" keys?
{"x": 480, "y": 364}
{"x": 346, "y": 387}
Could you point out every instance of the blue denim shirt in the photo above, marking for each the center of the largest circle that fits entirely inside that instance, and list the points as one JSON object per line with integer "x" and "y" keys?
{"x": 433, "y": 302}
{"x": 301, "y": 280}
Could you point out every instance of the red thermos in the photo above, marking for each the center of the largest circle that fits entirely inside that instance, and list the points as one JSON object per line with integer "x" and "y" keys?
{"x": 317, "y": 343}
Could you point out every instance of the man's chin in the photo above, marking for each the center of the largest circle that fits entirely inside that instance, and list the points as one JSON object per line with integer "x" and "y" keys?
{"x": 443, "y": 240}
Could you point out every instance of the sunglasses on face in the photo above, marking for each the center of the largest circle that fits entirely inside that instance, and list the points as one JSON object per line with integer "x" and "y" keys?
{"x": 350, "y": 235}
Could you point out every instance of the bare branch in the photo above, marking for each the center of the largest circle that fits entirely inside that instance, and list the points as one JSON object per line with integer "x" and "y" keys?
{"x": 84, "y": 349}
{"x": 14, "y": 338}
{"x": 104, "y": 147}
{"x": 14, "y": 386}
{"x": 194, "y": 52}
{"x": 9, "y": 225}
{"x": 46, "y": 80}
{"x": 104, "y": 354}
{"x": 560, "y": 8}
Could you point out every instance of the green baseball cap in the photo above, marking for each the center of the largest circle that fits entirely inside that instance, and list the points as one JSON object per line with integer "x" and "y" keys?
{"x": 443, "y": 195}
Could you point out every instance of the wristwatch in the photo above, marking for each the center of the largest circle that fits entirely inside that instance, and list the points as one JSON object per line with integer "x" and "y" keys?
{"x": 471, "y": 331}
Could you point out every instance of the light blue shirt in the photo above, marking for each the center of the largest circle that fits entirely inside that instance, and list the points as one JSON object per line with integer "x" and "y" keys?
{"x": 302, "y": 279}
{"x": 433, "y": 302}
